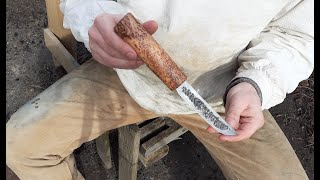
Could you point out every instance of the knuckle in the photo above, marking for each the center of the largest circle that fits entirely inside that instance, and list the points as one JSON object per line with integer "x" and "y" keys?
{"x": 99, "y": 18}
{"x": 93, "y": 36}
{"x": 117, "y": 45}
{"x": 91, "y": 32}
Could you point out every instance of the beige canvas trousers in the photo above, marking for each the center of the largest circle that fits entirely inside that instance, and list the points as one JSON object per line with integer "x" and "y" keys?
{"x": 42, "y": 135}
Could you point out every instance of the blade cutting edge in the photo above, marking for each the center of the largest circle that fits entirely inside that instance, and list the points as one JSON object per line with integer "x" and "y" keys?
{"x": 186, "y": 91}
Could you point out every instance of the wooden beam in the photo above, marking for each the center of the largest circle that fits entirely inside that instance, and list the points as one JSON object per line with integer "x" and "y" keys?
{"x": 149, "y": 128}
{"x": 55, "y": 62}
{"x": 162, "y": 139}
{"x": 129, "y": 142}
{"x": 147, "y": 161}
{"x": 103, "y": 149}
{"x": 59, "y": 52}
{"x": 55, "y": 24}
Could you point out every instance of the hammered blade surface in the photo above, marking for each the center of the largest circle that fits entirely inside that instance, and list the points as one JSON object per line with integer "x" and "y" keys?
{"x": 186, "y": 91}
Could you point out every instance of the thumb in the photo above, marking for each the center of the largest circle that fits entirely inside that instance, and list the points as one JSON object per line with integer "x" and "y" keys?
{"x": 233, "y": 113}
{"x": 151, "y": 26}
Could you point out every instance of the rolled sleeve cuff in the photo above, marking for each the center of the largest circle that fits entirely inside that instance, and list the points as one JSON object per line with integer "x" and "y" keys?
{"x": 258, "y": 80}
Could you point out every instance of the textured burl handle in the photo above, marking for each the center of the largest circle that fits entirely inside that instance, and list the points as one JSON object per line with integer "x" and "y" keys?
{"x": 132, "y": 32}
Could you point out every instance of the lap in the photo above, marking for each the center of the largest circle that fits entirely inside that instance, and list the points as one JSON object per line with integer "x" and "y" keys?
{"x": 266, "y": 155}
{"x": 77, "y": 108}
{"x": 91, "y": 100}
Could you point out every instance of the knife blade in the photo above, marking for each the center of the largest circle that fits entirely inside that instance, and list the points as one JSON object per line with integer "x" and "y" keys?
{"x": 132, "y": 32}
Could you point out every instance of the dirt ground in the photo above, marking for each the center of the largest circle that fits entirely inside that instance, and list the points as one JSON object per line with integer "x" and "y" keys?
{"x": 30, "y": 70}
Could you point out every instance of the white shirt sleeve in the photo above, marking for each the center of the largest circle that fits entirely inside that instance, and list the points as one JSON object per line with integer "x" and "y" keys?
{"x": 79, "y": 15}
{"x": 282, "y": 55}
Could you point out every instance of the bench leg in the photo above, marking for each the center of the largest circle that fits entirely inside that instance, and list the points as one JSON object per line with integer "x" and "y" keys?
{"x": 103, "y": 149}
{"x": 129, "y": 143}
{"x": 55, "y": 24}
{"x": 59, "y": 53}
{"x": 55, "y": 62}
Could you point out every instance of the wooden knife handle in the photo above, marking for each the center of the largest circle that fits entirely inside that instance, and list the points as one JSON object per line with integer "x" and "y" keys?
{"x": 132, "y": 32}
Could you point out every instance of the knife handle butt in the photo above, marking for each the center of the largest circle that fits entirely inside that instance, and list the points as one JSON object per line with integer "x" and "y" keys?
{"x": 130, "y": 30}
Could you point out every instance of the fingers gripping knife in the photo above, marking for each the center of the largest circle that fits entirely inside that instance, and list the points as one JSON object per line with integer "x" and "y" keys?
{"x": 132, "y": 32}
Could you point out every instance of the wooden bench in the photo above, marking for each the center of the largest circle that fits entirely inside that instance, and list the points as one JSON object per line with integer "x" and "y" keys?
{"x": 146, "y": 141}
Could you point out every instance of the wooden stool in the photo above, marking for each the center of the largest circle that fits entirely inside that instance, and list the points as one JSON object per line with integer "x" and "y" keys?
{"x": 146, "y": 141}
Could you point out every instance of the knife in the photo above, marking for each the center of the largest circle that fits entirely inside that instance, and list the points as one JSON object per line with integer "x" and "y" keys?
{"x": 130, "y": 30}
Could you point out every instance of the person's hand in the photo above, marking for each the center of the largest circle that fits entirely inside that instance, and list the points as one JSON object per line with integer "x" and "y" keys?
{"x": 108, "y": 48}
{"x": 243, "y": 112}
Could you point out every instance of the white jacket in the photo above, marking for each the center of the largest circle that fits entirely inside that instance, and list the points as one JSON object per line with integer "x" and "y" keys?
{"x": 271, "y": 40}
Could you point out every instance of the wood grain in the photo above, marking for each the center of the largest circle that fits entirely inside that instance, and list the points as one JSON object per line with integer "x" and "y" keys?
{"x": 129, "y": 142}
{"x": 162, "y": 139}
{"x": 103, "y": 149}
{"x": 149, "y": 128}
{"x": 55, "y": 24}
{"x": 59, "y": 52}
{"x": 132, "y": 32}
{"x": 154, "y": 157}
